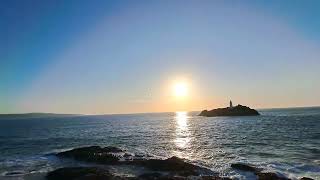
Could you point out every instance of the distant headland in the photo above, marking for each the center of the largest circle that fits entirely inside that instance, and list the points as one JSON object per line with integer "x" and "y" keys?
{"x": 238, "y": 110}
{"x": 34, "y": 115}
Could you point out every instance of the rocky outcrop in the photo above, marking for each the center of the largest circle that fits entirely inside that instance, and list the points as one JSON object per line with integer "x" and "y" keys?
{"x": 171, "y": 168}
{"x": 98, "y": 173}
{"x": 258, "y": 172}
{"x": 230, "y": 111}
{"x": 97, "y": 154}
{"x": 116, "y": 156}
{"x": 244, "y": 167}
{"x": 261, "y": 175}
{"x": 173, "y": 164}
{"x": 80, "y": 173}
{"x": 306, "y": 178}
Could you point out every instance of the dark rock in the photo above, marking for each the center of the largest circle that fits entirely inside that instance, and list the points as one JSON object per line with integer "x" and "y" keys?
{"x": 159, "y": 176}
{"x": 230, "y": 111}
{"x": 172, "y": 168}
{"x": 306, "y": 178}
{"x": 150, "y": 176}
{"x": 257, "y": 172}
{"x": 269, "y": 176}
{"x": 14, "y": 173}
{"x": 127, "y": 155}
{"x": 106, "y": 155}
{"x": 173, "y": 164}
{"x": 98, "y": 173}
{"x": 112, "y": 149}
{"x": 77, "y": 173}
{"x": 214, "y": 178}
{"x": 244, "y": 167}
{"x": 93, "y": 154}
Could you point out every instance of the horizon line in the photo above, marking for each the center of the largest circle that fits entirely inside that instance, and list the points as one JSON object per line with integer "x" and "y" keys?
{"x": 130, "y": 113}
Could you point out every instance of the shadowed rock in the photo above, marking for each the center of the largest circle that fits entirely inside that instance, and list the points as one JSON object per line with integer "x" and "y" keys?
{"x": 158, "y": 176}
{"x": 306, "y": 178}
{"x": 230, "y": 111}
{"x": 93, "y": 154}
{"x": 173, "y": 164}
{"x": 270, "y": 176}
{"x": 172, "y": 168}
{"x": 80, "y": 173}
{"x": 106, "y": 155}
{"x": 257, "y": 171}
{"x": 148, "y": 176}
{"x": 97, "y": 173}
{"x": 244, "y": 167}
{"x": 214, "y": 178}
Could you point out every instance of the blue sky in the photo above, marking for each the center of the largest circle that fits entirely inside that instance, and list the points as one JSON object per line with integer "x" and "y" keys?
{"x": 121, "y": 56}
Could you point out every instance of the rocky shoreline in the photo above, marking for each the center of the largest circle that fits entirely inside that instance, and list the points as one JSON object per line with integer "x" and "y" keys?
{"x": 102, "y": 158}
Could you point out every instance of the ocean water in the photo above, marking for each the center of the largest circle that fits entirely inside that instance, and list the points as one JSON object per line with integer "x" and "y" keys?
{"x": 286, "y": 141}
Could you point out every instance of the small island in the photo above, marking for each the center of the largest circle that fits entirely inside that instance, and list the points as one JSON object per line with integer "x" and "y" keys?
{"x": 238, "y": 110}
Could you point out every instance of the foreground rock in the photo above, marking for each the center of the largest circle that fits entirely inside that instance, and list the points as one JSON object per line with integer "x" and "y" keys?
{"x": 98, "y": 173}
{"x": 96, "y": 154}
{"x": 116, "y": 156}
{"x": 245, "y": 167}
{"x": 306, "y": 178}
{"x": 230, "y": 111}
{"x": 173, "y": 164}
{"x": 260, "y": 174}
{"x": 83, "y": 173}
{"x": 171, "y": 168}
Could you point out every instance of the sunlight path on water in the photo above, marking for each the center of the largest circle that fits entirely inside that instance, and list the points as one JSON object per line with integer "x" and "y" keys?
{"x": 182, "y": 133}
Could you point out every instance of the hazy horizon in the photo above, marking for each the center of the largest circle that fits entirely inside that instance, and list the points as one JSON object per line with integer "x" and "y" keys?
{"x": 121, "y": 57}
{"x": 129, "y": 113}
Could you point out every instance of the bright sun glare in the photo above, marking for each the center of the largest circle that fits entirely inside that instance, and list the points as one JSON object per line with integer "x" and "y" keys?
{"x": 181, "y": 89}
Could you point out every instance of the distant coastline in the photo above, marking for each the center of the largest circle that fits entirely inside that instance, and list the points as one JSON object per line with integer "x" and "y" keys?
{"x": 35, "y": 115}
{"x": 44, "y": 114}
{"x": 294, "y": 107}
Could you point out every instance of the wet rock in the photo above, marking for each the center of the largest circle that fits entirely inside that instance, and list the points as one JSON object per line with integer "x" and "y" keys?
{"x": 230, "y": 111}
{"x": 148, "y": 176}
{"x": 95, "y": 154}
{"x": 112, "y": 149}
{"x": 306, "y": 178}
{"x": 14, "y": 173}
{"x": 269, "y": 176}
{"x": 258, "y": 172}
{"x": 172, "y": 168}
{"x": 126, "y": 155}
{"x": 107, "y": 155}
{"x": 160, "y": 176}
{"x": 173, "y": 164}
{"x": 244, "y": 167}
{"x": 98, "y": 173}
{"x": 80, "y": 173}
{"x": 214, "y": 178}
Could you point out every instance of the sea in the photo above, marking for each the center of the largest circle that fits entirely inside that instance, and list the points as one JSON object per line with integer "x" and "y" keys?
{"x": 285, "y": 141}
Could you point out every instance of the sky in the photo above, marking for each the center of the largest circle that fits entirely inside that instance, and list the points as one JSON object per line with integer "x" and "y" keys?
{"x": 99, "y": 57}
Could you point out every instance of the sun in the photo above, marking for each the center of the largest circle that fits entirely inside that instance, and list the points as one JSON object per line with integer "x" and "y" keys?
{"x": 180, "y": 89}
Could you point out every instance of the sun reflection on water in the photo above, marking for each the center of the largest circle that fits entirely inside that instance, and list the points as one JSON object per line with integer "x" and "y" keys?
{"x": 182, "y": 133}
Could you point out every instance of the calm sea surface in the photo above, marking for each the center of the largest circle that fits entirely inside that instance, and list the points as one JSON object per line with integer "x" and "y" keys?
{"x": 281, "y": 140}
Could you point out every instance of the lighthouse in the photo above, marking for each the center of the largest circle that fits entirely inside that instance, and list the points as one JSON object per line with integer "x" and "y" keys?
{"x": 231, "y": 106}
